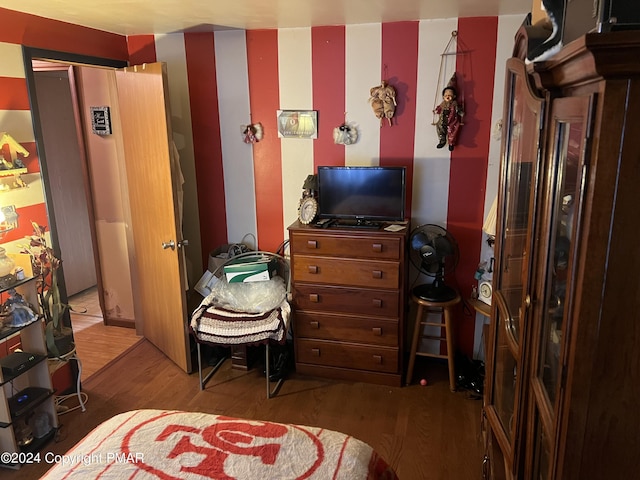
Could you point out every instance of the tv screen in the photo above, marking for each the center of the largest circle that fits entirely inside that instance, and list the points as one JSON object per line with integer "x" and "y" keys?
{"x": 362, "y": 193}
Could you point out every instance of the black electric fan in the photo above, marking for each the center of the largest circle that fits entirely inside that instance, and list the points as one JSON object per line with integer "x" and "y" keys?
{"x": 434, "y": 252}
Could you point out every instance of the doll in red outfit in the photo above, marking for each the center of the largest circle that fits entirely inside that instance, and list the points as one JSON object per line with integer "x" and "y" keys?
{"x": 450, "y": 114}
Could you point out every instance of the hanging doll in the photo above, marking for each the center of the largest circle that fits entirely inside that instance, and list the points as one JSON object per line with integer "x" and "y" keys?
{"x": 450, "y": 115}
{"x": 251, "y": 133}
{"x": 383, "y": 101}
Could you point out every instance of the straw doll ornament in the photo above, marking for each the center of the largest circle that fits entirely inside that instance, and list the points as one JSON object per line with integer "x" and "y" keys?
{"x": 450, "y": 115}
{"x": 383, "y": 101}
{"x": 345, "y": 134}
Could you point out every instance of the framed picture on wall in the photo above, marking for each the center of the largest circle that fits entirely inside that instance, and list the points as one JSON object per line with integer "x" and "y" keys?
{"x": 297, "y": 123}
{"x": 100, "y": 120}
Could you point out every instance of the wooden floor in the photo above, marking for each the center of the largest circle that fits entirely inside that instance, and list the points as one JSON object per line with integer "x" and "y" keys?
{"x": 423, "y": 432}
{"x": 96, "y": 343}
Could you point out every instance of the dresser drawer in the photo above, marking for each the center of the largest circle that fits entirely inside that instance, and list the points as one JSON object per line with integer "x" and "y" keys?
{"x": 341, "y": 246}
{"x": 346, "y": 328}
{"x": 346, "y": 271}
{"x": 360, "y": 301}
{"x": 347, "y": 355}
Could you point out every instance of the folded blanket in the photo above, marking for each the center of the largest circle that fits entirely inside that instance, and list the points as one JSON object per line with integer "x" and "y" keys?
{"x": 214, "y": 324}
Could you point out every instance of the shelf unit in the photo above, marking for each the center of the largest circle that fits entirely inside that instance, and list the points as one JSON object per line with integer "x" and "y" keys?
{"x": 28, "y": 395}
{"x": 11, "y": 178}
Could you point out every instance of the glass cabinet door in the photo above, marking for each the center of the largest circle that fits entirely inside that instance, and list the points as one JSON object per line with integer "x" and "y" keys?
{"x": 564, "y": 191}
{"x": 519, "y": 171}
{"x": 505, "y": 369}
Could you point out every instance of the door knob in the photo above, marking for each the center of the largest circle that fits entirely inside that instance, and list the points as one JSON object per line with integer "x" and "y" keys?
{"x": 170, "y": 244}
{"x": 183, "y": 243}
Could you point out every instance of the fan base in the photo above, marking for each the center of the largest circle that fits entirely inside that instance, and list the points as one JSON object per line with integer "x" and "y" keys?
{"x": 431, "y": 293}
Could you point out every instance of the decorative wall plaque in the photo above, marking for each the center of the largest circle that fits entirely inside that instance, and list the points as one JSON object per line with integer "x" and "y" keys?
{"x": 100, "y": 120}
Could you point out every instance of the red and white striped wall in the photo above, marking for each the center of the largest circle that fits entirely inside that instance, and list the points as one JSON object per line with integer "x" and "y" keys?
{"x": 221, "y": 80}
{"x": 331, "y": 70}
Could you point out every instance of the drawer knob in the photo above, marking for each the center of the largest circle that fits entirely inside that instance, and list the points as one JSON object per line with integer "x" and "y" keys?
{"x": 377, "y": 331}
{"x": 376, "y": 274}
{"x": 377, "y": 359}
{"x": 377, "y": 302}
{"x": 314, "y": 324}
{"x": 315, "y": 352}
{"x": 377, "y": 247}
{"x": 313, "y": 244}
{"x": 314, "y": 297}
{"x": 312, "y": 269}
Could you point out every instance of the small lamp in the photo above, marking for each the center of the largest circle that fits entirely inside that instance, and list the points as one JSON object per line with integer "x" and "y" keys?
{"x": 7, "y": 224}
{"x": 4, "y": 228}
{"x": 489, "y": 226}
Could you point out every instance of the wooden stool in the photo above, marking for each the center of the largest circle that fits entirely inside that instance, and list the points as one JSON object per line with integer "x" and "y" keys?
{"x": 445, "y": 307}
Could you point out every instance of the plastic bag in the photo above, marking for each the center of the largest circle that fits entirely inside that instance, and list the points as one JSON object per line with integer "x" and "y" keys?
{"x": 220, "y": 255}
{"x": 252, "y": 297}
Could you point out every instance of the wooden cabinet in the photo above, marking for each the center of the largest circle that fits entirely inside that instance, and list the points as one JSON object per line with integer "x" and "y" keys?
{"x": 520, "y": 171}
{"x": 563, "y": 366}
{"x": 28, "y": 416}
{"x": 349, "y": 302}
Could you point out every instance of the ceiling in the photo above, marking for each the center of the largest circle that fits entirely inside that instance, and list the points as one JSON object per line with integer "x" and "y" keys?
{"x": 131, "y": 17}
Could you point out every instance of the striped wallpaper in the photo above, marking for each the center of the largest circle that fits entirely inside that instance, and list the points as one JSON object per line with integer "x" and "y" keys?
{"x": 221, "y": 80}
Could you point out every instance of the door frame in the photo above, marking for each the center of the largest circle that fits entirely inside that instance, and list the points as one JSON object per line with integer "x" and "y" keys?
{"x": 29, "y": 54}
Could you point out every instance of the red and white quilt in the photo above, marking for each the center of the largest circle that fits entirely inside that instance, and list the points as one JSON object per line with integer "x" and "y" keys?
{"x": 159, "y": 444}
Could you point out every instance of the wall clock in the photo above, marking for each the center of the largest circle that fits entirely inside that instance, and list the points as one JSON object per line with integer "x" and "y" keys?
{"x": 485, "y": 290}
{"x": 307, "y": 210}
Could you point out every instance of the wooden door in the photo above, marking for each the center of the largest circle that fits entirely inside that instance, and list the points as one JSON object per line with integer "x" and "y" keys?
{"x": 569, "y": 138}
{"x": 154, "y": 199}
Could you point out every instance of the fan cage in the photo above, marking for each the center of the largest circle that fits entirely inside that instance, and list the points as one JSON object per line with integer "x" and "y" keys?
{"x": 426, "y": 254}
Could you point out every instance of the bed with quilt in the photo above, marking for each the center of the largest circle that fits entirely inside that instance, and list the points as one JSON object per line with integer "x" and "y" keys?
{"x": 168, "y": 444}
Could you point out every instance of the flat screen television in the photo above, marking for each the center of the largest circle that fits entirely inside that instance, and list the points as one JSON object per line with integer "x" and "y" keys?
{"x": 361, "y": 194}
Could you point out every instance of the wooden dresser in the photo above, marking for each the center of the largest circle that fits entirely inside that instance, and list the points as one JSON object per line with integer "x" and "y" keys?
{"x": 349, "y": 298}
